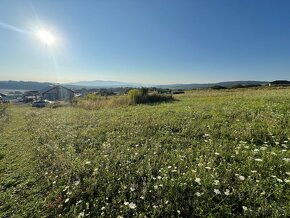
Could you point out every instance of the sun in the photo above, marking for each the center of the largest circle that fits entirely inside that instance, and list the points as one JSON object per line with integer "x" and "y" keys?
{"x": 46, "y": 37}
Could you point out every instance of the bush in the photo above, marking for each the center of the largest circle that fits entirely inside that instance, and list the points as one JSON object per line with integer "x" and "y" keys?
{"x": 141, "y": 96}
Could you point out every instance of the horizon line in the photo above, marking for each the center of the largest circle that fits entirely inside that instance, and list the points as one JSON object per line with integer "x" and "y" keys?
{"x": 140, "y": 83}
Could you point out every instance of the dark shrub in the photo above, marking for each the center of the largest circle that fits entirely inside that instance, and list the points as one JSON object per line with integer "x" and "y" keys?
{"x": 142, "y": 96}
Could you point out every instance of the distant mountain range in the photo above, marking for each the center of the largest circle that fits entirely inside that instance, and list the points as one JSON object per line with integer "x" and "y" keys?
{"x": 28, "y": 85}
{"x": 23, "y": 85}
{"x": 102, "y": 83}
{"x": 208, "y": 85}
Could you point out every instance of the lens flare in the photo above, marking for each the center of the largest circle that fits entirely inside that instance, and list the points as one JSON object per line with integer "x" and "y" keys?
{"x": 46, "y": 37}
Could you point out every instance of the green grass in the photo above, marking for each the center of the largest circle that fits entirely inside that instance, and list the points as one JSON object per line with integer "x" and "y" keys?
{"x": 209, "y": 153}
{"x": 3, "y": 115}
{"x": 20, "y": 190}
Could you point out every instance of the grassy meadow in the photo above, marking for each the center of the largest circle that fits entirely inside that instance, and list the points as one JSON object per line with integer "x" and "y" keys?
{"x": 206, "y": 154}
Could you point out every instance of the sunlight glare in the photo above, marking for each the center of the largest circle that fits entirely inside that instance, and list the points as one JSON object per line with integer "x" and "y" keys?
{"x": 46, "y": 37}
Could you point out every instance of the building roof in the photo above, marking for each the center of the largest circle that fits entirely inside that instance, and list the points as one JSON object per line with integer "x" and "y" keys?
{"x": 53, "y": 87}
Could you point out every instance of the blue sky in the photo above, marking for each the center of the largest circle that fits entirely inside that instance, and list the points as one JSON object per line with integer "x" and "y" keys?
{"x": 152, "y": 41}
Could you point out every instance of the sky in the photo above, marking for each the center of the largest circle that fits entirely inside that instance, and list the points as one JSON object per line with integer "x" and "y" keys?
{"x": 152, "y": 41}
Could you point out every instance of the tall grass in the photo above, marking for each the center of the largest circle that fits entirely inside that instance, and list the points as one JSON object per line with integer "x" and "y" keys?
{"x": 142, "y": 96}
{"x": 135, "y": 96}
{"x": 3, "y": 115}
{"x": 99, "y": 102}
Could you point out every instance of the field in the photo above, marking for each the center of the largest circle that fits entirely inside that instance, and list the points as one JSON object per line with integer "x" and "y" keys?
{"x": 208, "y": 154}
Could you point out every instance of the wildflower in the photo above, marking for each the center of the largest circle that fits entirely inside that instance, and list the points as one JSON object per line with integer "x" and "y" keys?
{"x": 88, "y": 162}
{"x": 216, "y": 153}
{"x": 198, "y": 194}
{"x": 227, "y": 192}
{"x": 155, "y": 187}
{"x": 197, "y": 180}
{"x": 288, "y": 173}
{"x": 78, "y": 202}
{"x": 126, "y": 203}
{"x": 65, "y": 189}
{"x": 81, "y": 214}
{"x": 132, "y": 189}
{"x": 286, "y": 159}
{"x": 207, "y": 168}
{"x": 76, "y": 183}
{"x": 216, "y": 182}
{"x": 258, "y": 160}
{"x": 169, "y": 167}
{"x": 253, "y": 171}
{"x": 66, "y": 200}
{"x": 242, "y": 178}
{"x": 244, "y": 208}
{"x": 159, "y": 177}
{"x": 263, "y": 193}
{"x": 178, "y": 211}
{"x": 103, "y": 208}
{"x": 132, "y": 205}
{"x": 279, "y": 180}
{"x": 142, "y": 197}
{"x": 217, "y": 192}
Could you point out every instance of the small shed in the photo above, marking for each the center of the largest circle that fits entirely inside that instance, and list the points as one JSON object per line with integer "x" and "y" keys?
{"x": 2, "y": 95}
{"x": 57, "y": 93}
{"x": 4, "y": 98}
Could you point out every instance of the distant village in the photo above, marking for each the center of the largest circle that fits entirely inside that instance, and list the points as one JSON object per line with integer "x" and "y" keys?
{"x": 60, "y": 93}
